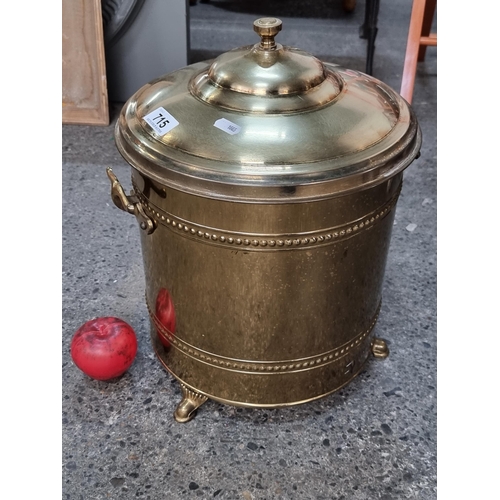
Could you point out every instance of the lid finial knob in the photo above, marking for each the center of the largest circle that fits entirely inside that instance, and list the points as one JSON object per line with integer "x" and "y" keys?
{"x": 267, "y": 28}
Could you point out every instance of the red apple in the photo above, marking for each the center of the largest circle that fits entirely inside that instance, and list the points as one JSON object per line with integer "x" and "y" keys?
{"x": 165, "y": 313}
{"x": 104, "y": 348}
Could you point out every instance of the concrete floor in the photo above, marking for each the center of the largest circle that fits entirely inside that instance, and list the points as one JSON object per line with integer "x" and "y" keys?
{"x": 373, "y": 440}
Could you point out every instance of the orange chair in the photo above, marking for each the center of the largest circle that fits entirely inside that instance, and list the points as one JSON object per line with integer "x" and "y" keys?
{"x": 419, "y": 38}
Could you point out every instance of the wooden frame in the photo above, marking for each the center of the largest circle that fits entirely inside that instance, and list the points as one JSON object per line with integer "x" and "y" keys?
{"x": 84, "y": 86}
{"x": 419, "y": 37}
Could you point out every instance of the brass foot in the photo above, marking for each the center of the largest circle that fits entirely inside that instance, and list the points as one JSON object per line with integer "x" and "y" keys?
{"x": 191, "y": 401}
{"x": 379, "y": 348}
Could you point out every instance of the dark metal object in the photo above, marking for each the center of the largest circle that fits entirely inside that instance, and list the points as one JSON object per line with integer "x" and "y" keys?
{"x": 369, "y": 31}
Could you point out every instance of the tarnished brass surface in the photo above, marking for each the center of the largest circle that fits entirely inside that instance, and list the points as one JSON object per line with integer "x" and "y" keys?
{"x": 191, "y": 401}
{"x": 380, "y": 349}
{"x": 274, "y": 304}
{"x": 129, "y": 204}
{"x": 265, "y": 247}
{"x": 363, "y": 137}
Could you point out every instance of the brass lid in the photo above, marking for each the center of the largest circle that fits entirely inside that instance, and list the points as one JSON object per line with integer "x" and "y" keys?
{"x": 266, "y": 77}
{"x": 265, "y": 117}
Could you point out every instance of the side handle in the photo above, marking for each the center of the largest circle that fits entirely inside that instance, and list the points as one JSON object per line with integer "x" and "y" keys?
{"x": 130, "y": 204}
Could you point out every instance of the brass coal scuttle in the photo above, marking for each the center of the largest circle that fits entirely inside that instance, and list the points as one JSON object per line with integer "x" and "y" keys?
{"x": 265, "y": 184}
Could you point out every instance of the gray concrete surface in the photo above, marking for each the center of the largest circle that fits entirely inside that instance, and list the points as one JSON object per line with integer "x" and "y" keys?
{"x": 373, "y": 440}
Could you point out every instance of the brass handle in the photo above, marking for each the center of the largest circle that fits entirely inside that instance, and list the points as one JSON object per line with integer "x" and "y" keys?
{"x": 130, "y": 204}
{"x": 267, "y": 28}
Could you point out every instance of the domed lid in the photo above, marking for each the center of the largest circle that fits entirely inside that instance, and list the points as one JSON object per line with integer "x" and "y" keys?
{"x": 265, "y": 117}
{"x": 266, "y": 77}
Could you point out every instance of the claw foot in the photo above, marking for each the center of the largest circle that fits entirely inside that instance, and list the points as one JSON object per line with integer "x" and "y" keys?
{"x": 379, "y": 348}
{"x": 191, "y": 401}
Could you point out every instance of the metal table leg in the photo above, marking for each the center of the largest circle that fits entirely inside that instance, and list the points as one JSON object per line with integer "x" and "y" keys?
{"x": 369, "y": 31}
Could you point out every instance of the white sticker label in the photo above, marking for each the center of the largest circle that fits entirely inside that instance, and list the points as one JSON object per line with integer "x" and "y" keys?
{"x": 227, "y": 126}
{"x": 161, "y": 121}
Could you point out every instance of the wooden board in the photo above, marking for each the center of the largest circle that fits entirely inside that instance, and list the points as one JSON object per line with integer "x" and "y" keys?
{"x": 84, "y": 87}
